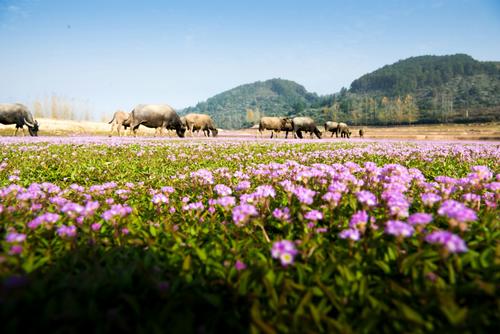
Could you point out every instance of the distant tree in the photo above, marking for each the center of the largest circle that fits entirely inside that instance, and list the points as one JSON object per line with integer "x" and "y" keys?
{"x": 250, "y": 115}
{"x": 410, "y": 109}
{"x": 53, "y": 107}
{"x": 298, "y": 107}
{"x": 37, "y": 108}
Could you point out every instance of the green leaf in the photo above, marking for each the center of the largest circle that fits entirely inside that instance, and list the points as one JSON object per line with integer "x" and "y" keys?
{"x": 383, "y": 265}
{"x": 201, "y": 254}
{"x": 257, "y": 319}
{"x": 186, "y": 264}
{"x": 409, "y": 313}
{"x": 152, "y": 230}
{"x": 451, "y": 273}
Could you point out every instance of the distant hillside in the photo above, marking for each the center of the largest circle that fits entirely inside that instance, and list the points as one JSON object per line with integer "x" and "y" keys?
{"x": 425, "y": 89}
{"x": 422, "y": 73}
{"x": 244, "y": 105}
{"x": 428, "y": 89}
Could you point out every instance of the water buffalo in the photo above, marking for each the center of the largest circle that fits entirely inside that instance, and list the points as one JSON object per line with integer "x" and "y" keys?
{"x": 344, "y": 131}
{"x": 332, "y": 127}
{"x": 275, "y": 124}
{"x": 120, "y": 118}
{"x": 361, "y": 133}
{"x": 156, "y": 116}
{"x": 305, "y": 124}
{"x": 19, "y": 115}
{"x": 197, "y": 122}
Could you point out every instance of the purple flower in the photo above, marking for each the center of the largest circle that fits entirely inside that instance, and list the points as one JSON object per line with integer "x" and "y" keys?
{"x": 398, "y": 228}
{"x": 226, "y": 201}
{"x": 72, "y": 209}
{"x": 350, "y": 233}
{"x": 247, "y": 198}
{"x": 243, "y": 185}
{"x": 116, "y": 211}
{"x": 470, "y": 197}
{"x": 15, "y": 249}
{"x": 287, "y": 185}
{"x": 95, "y": 227}
{"x": 45, "y": 218}
{"x": 493, "y": 186}
{"x": 285, "y": 251}
{"x": 67, "y": 231}
{"x": 193, "y": 206}
{"x": 420, "y": 218}
{"x": 282, "y": 214}
{"x": 481, "y": 173}
{"x": 398, "y": 205}
{"x": 332, "y": 197}
{"x": 242, "y": 212}
{"x": 223, "y": 190}
{"x": 313, "y": 215}
{"x": 167, "y": 189}
{"x": 359, "y": 219}
{"x": 457, "y": 211}
{"x": 452, "y": 242}
{"x": 265, "y": 191}
{"x": 367, "y": 198}
{"x": 90, "y": 208}
{"x": 203, "y": 176}
{"x": 240, "y": 265}
{"x": 159, "y": 198}
{"x": 305, "y": 196}
{"x": 430, "y": 198}
{"x": 14, "y": 237}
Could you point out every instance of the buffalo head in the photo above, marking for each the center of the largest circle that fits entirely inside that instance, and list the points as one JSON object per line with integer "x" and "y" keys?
{"x": 32, "y": 127}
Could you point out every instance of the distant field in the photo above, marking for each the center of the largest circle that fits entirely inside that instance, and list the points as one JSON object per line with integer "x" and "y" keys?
{"x": 487, "y": 131}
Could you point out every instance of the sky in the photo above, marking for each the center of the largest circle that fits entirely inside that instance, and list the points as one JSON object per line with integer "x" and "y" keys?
{"x": 111, "y": 54}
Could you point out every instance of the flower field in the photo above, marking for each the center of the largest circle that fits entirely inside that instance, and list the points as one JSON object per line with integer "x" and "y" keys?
{"x": 148, "y": 235}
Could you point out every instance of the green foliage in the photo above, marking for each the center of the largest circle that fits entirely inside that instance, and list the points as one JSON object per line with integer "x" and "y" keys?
{"x": 424, "y": 72}
{"x": 175, "y": 272}
{"x": 271, "y": 98}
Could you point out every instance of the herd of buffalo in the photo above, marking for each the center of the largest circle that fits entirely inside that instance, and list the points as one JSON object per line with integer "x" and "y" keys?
{"x": 163, "y": 116}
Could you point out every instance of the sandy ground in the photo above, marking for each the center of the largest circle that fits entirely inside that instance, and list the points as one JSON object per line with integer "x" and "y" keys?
{"x": 488, "y": 131}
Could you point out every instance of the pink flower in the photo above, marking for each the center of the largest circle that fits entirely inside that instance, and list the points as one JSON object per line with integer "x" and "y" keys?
{"x": 398, "y": 228}
{"x": 313, "y": 215}
{"x": 15, "y": 249}
{"x": 285, "y": 251}
{"x": 240, "y": 265}
{"x": 14, "y": 237}
{"x": 453, "y": 243}
{"x": 350, "y": 233}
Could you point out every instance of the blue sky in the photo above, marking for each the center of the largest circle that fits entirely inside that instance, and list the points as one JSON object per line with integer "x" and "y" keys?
{"x": 109, "y": 55}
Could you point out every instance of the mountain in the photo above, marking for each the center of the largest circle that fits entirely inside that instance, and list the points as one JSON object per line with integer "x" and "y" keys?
{"x": 424, "y": 89}
{"x": 421, "y": 73}
{"x": 244, "y": 105}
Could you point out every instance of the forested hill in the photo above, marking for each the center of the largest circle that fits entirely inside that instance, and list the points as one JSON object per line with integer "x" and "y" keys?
{"x": 425, "y": 89}
{"x": 426, "y": 72}
{"x": 244, "y": 105}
